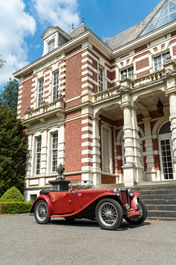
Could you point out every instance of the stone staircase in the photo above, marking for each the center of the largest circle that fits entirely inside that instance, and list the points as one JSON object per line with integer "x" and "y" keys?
{"x": 160, "y": 200}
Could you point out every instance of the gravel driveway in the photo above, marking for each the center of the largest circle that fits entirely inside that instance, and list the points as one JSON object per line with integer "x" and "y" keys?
{"x": 82, "y": 242}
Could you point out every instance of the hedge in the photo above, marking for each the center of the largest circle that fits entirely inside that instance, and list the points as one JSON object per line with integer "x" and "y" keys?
{"x": 15, "y": 207}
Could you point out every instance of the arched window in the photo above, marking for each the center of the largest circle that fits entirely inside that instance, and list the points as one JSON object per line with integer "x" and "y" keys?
{"x": 165, "y": 128}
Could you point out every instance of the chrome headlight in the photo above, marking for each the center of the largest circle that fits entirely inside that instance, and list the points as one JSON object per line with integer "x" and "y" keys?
{"x": 127, "y": 206}
{"x": 117, "y": 192}
{"x": 130, "y": 192}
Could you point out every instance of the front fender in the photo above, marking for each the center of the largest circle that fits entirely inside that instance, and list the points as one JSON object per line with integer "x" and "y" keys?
{"x": 48, "y": 201}
{"x": 134, "y": 201}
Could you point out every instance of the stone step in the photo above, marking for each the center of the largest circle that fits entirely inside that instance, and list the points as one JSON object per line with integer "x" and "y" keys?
{"x": 159, "y": 196}
{"x": 162, "y": 218}
{"x": 166, "y": 207}
{"x": 159, "y": 191}
{"x": 159, "y": 201}
{"x": 159, "y": 214}
{"x": 155, "y": 187}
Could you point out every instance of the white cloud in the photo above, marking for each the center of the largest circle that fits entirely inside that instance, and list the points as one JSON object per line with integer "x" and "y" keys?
{"x": 60, "y": 13}
{"x": 16, "y": 24}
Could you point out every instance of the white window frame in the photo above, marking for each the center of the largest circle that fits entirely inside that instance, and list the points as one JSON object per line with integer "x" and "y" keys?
{"x": 127, "y": 71}
{"x": 40, "y": 92}
{"x": 162, "y": 58}
{"x": 55, "y": 87}
{"x": 101, "y": 79}
{"x": 53, "y": 149}
{"x": 51, "y": 45}
{"x": 38, "y": 154}
{"x": 166, "y": 136}
{"x": 108, "y": 128}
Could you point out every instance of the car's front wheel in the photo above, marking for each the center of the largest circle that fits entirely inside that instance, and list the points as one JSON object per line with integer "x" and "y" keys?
{"x": 41, "y": 212}
{"x": 109, "y": 214}
{"x": 137, "y": 220}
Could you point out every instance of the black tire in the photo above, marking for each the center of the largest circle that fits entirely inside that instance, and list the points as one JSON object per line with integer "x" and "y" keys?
{"x": 109, "y": 214}
{"x": 69, "y": 219}
{"x": 137, "y": 220}
{"x": 41, "y": 212}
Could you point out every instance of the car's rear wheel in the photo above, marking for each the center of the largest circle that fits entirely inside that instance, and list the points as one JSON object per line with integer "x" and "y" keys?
{"x": 137, "y": 220}
{"x": 41, "y": 212}
{"x": 109, "y": 214}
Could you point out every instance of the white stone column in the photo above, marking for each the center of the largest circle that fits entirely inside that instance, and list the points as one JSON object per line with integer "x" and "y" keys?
{"x": 137, "y": 154}
{"x": 29, "y": 157}
{"x": 96, "y": 152}
{"x": 61, "y": 145}
{"x": 128, "y": 134}
{"x": 132, "y": 170}
{"x": 172, "y": 106}
{"x": 150, "y": 172}
{"x": 44, "y": 153}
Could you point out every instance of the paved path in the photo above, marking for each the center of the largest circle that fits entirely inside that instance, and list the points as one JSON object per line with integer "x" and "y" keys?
{"x": 23, "y": 242}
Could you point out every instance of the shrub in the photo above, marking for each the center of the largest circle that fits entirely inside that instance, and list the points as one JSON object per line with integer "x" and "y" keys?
{"x": 15, "y": 207}
{"x": 12, "y": 202}
{"x": 12, "y": 195}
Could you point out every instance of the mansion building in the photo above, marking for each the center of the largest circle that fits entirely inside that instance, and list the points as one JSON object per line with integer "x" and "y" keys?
{"x": 106, "y": 110}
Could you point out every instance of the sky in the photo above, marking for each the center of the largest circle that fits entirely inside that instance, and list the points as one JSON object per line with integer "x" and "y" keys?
{"x": 22, "y": 23}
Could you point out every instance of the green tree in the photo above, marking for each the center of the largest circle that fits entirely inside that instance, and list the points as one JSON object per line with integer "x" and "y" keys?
{"x": 13, "y": 150}
{"x": 9, "y": 96}
{"x": 2, "y": 62}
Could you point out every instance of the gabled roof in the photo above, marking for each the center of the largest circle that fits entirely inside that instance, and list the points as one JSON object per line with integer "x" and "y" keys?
{"x": 77, "y": 31}
{"x": 52, "y": 30}
{"x": 135, "y": 31}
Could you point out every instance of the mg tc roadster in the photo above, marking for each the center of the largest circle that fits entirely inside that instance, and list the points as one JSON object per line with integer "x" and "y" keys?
{"x": 108, "y": 205}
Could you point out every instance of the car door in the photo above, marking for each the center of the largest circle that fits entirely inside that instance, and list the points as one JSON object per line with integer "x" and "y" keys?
{"x": 63, "y": 203}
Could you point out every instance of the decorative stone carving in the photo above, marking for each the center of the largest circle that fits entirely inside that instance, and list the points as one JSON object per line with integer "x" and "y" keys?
{"x": 167, "y": 73}
{"x": 124, "y": 89}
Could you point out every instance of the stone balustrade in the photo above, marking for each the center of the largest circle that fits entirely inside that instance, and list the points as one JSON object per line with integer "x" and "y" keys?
{"x": 136, "y": 83}
{"x": 145, "y": 80}
{"x": 45, "y": 110}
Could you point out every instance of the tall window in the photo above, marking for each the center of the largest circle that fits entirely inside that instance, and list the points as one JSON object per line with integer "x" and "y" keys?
{"x": 159, "y": 61}
{"x": 51, "y": 45}
{"x": 38, "y": 155}
{"x": 54, "y": 151}
{"x": 55, "y": 86}
{"x": 106, "y": 150}
{"x": 101, "y": 79}
{"x": 40, "y": 92}
{"x": 129, "y": 73}
{"x": 166, "y": 152}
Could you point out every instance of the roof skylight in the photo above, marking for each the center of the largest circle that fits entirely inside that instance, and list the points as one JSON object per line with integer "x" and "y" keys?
{"x": 166, "y": 14}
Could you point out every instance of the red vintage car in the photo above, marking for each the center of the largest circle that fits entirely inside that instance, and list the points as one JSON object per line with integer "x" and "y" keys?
{"x": 108, "y": 206}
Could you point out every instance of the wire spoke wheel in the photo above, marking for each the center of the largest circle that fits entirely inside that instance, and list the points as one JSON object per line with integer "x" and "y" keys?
{"x": 109, "y": 214}
{"x": 41, "y": 212}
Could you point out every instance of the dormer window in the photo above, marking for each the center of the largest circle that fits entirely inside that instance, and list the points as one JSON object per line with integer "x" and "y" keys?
{"x": 54, "y": 37}
{"x": 51, "y": 45}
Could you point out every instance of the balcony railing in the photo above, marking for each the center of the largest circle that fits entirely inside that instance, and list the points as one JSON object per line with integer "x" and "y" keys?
{"x": 150, "y": 78}
{"x": 135, "y": 83}
{"x": 51, "y": 109}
